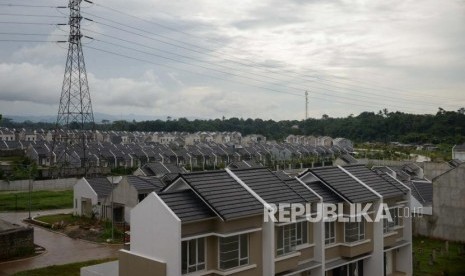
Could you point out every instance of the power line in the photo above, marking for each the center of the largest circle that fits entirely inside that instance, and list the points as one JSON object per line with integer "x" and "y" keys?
{"x": 220, "y": 56}
{"x": 217, "y": 65}
{"x": 268, "y": 77}
{"x": 26, "y": 40}
{"x": 31, "y": 34}
{"x": 29, "y": 23}
{"x": 32, "y": 15}
{"x": 199, "y": 73}
{"x": 27, "y": 6}
{"x": 356, "y": 103}
{"x": 233, "y": 74}
{"x": 381, "y": 89}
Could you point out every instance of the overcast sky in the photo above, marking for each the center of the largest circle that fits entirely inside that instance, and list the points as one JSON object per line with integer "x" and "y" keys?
{"x": 241, "y": 58}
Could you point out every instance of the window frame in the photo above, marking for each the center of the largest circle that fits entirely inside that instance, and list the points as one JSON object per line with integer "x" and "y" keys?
{"x": 241, "y": 259}
{"x": 300, "y": 237}
{"x": 198, "y": 265}
{"x": 331, "y": 239}
{"x": 361, "y": 231}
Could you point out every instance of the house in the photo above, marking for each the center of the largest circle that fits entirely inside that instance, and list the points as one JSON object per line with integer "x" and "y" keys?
{"x": 7, "y": 135}
{"x": 458, "y": 152}
{"x": 253, "y": 139}
{"x": 158, "y": 169}
{"x": 92, "y": 197}
{"x": 219, "y": 223}
{"x": 324, "y": 141}
{"x": 345, "y": 159}
{"x": 364, "y": 248}
{"x": 244, "y": 164}
{"x": 191, "y": 139}
{"x": 343, "y": 143}
{"x": 130, "y": 191}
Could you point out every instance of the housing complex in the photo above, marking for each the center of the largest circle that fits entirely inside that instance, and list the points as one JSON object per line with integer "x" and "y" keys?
{"x": 219, "y": 223}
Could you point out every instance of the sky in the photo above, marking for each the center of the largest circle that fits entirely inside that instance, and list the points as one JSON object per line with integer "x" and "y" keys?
{"x": 243, "y": 58}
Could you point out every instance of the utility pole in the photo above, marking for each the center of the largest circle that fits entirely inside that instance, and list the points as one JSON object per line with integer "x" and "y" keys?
{"x": 75, "y": 110}
{"x": 306, "y": 105}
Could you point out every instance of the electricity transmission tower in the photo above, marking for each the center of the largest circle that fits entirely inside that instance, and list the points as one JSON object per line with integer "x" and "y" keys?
{"x": 75, "y": 113}
{"x": 75, "y": 109}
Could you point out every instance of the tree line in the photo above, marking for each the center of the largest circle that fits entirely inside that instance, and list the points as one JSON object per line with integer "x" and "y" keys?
{"x": 444, "y": 127}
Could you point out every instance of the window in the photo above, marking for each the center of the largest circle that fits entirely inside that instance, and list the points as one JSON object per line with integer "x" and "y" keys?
{"x": 234, "y": 251}
{"x": 396, "y": 219}
{"x": 193, "y": 255}
{"x": 395, "y": 213}
{"x": 330, "y": 232}
{"x": 289, "y": 236}
{"x": 354, "y": 231}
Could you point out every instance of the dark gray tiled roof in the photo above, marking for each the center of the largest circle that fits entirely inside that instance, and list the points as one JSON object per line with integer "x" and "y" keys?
{"x": 381, "y": 183}
{"x": 158, "y": 168}
{"x": 422, "y": 191}
{"x": 282, "y": 175}
{"x": 145, "y": 185}
{"x": 168, "y": 178}
{"x": 349, "y": 159}
{"x": 304, "y": 192}
{"x": 187, "y": 206}
{"x": 344, "y": 184}
{"x": 268, "y": 186}
{"x": 325, "y": 192}
{"x": 455, "y": 163}
{"x": 101, "y": 186}
{"x": 224, "y": 194}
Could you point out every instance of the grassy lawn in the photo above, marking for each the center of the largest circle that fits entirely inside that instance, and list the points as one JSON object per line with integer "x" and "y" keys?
{"x": 40, "y": 200}
{"x": 67, "y": 269}
{"x": 446, "y": 264}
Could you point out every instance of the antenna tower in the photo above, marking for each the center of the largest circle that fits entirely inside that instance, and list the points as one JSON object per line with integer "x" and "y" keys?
{"x": 306, "y": 105}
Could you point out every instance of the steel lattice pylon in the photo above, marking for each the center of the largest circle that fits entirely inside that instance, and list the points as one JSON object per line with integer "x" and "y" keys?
{"x": 75, "y": 110}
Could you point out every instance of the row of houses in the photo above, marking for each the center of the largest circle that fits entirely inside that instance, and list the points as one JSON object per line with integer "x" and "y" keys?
{"x": 200, "y": 156}
{"x": 164, "y": 138}
{"x": 218, "y": 223}
{"x": 325, "y": 141}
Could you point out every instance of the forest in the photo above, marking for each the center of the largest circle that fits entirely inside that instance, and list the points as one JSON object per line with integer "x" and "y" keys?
{"x": 444, "y": 127}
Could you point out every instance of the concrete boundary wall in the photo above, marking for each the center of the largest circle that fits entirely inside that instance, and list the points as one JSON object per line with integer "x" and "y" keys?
{"x": 39, "y": 185}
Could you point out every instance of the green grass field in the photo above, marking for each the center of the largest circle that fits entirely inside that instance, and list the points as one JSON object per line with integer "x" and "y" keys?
{"x": 68, "y": 269}
{"x": 40, "y": 200}
{"x": 446, "y": 264}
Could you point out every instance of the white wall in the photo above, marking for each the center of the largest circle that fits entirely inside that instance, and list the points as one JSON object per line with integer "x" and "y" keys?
{"x": 374, "y": 265}
{"x": 156, "y": 233}
{"x": 46, "y": 185}
{"x": 82, "y": 189}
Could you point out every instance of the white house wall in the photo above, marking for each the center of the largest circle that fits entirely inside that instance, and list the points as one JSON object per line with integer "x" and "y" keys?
{"x": 82, "y": 189}
{"x": 155, "y": 227}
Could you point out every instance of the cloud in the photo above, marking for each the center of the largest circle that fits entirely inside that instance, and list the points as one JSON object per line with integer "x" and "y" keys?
{"x": 346, "y": 52}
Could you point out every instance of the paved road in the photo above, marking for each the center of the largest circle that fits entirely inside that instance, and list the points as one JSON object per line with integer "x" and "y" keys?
{"x": 60, "y": 249}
